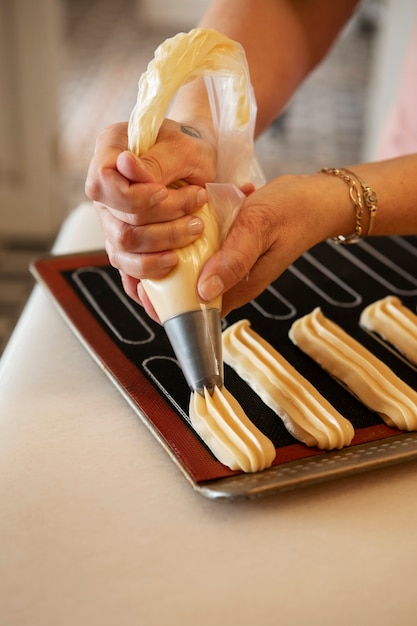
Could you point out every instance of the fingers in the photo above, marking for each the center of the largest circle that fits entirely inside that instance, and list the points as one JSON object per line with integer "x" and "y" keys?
{"x": 146, "y": 251}
{"x": 232, "y": 263}
{"x": 175, "y": 156}
{"x": 127, "y": 189}
{"x": 134, "y": 169}
{"x": 164, "y": 205}
{"x": 105, "y": 184}
{"x": 135, "y": 290}
{"x": 139, "y": 266}
{"x": 130, "y": 285}
{"x": 247, "y": 189}
{"x": 250, "y": 287}
{"x": 134, "y": 188}
{"x": 180, "y": 155}
{"x": 150, "y": 237}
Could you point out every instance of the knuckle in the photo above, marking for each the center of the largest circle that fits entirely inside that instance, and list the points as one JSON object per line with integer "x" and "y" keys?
{"x": 172, "y": 235}
{"x": 112, "y": 255}
{"x": 97, "y": 178}
{"x": 91, "y": 187}
{"x": 239, "y": 266}
{"x": 153, "y": 165}
{"x": 122, "y": 236}
{"x": 144, "y": 266}
{"x": 262, "y": 226}
{"x": 190, "y": 200}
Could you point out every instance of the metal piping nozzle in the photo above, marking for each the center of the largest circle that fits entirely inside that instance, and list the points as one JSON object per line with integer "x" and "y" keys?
{"x": 196, "y": 339}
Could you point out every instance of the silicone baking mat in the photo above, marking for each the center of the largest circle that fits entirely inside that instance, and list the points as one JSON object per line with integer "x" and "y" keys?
{"x": 138, "y": 358}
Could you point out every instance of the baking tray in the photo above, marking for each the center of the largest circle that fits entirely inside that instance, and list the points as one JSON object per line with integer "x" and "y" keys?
{"x": 136, "y": 355}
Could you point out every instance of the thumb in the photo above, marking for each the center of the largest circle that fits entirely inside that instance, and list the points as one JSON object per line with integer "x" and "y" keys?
{"x": 231, "y": 264}
{"x": 135, "y": 169}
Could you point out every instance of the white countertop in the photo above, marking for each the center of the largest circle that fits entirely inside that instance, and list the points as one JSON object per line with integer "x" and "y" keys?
{"x": 98, "y": 527}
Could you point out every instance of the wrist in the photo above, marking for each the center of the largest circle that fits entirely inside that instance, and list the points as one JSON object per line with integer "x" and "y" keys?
{"x": 364, "y": 202}
{"x": 322, "y": 203}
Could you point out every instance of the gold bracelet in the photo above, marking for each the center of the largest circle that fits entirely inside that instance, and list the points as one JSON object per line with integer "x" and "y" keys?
{"x": 356, "y": 197}
{"x": 370, "y": 199}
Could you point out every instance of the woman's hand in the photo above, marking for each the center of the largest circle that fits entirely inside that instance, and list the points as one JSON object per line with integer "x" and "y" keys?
{"x": 142, "y": 217}
{"x": 275, "y": 225}
{"x": 131, "y": 186}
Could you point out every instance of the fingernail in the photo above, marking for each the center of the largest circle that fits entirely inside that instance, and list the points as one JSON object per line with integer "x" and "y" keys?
{"x": 196, "y": 226}
{"x": 167, "y": 259}
{"x": 158, "y": 196}
{"x": 211, "y": 288}
{"x": 201, "y": 197}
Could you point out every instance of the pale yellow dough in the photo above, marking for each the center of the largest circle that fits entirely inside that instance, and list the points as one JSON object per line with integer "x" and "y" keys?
{"x": 232, "y": 437}
{"x": 366, "y": 376}
{"x": 176, "y": 293}
{"x": 307, "y": 415}
{"x": 393, "y": 322}
{"x": 178, "y": 61}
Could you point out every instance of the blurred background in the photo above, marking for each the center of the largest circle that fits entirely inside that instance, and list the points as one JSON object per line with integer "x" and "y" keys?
{"x": 68, "y": 68}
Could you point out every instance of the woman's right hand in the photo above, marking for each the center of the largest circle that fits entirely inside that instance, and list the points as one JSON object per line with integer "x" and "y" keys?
{"x": 142, "y": 217}
{"x": 130, "y": 186}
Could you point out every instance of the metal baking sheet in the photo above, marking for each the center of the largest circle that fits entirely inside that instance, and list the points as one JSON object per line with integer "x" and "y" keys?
{"x": 138, "y": 358}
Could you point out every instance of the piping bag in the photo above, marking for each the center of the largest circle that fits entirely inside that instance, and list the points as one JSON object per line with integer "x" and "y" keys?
{"x": 193, "y": 326}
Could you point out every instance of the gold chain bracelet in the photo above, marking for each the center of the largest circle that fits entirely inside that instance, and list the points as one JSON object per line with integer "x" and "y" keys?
{"x": 355, "y": 196}
{"x": 365, "y": 196}
{"x": 370, "y": 200}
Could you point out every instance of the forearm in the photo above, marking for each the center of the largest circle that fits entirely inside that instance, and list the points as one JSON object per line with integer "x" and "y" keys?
{"x": 393, "y": 181}
{"x": 319, "y": 206}
{"x": 283, "y": 41}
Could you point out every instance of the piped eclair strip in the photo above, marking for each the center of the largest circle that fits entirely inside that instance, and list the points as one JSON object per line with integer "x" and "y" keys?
{"x": 232, "y": 437}
{"x": 366, "y": 376}
{"x": 395, "y": 323}
{"x": 307, "y": 415}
